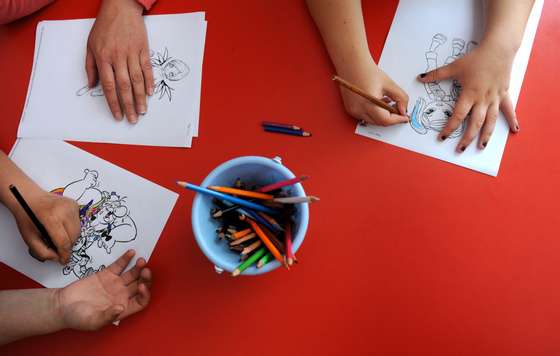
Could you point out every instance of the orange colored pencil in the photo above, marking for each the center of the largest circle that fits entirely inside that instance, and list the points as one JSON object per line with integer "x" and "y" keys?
{"x": 266, "y": 241}
{"x": 242, "y": 193}
{"x": 240, "y": 234}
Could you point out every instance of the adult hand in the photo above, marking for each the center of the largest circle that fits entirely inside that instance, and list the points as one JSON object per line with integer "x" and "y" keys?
{"x": 61, "y": 219}
{"x": 484, "y": 75}
{"x": 374, "y": 81}
{"x": 106, "y": 296}
{"x": 119, "y": 56}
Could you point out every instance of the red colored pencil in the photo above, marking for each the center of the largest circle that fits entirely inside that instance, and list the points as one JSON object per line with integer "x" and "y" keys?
{"x": 290, "y": 257}
{"x": 281, "y": 184}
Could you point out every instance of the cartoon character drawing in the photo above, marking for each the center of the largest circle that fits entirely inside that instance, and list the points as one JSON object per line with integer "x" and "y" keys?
{"x": 105, "y": 221}
{"x": 434, "y": 112}
{"x": 166, "y": 70}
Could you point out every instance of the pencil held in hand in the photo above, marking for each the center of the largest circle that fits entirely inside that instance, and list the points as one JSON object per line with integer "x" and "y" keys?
{"x": 365, "y": 95}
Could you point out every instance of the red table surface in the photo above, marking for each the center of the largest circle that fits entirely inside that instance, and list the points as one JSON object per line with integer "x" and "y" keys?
{"x": 405, "y": 254}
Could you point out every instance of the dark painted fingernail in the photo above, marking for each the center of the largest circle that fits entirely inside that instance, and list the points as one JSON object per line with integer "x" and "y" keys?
{"x": 422, "y": 75}
{"x": 443, "y": 138}
{"x": 463, "y": 148}
{"x": 484, "y": 144}
{"x": 516, "y": 127}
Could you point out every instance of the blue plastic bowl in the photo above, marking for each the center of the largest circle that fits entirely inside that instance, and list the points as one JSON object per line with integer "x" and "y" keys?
{"x": 251, "y": 170}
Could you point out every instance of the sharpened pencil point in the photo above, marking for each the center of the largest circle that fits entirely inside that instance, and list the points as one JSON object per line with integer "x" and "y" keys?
{"x": 235, "y": 273}
{"x": 181, "y": 183}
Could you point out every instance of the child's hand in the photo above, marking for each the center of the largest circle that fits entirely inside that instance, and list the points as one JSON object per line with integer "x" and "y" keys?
{"x": 484, "y": 76}
{"x": 118, "y": 55}
{"x": 374, "y": 81}
{"x": 59, "y": 215}
{"x": 106, "y": 296}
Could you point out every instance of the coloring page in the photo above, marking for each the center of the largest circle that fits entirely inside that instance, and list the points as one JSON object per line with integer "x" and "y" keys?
{"x": 118, "y": 211}
{"x": 429, "y": 34}
{"x": 60, "y": 105}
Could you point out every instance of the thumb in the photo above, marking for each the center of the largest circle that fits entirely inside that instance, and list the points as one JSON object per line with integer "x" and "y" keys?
{"x": 438, "y": 74}
{"x": 112, "y": 313}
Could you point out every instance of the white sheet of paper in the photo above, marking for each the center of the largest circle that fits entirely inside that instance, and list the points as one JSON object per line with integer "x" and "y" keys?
{"x": 58, "y": 106}
{"x": 422, "y": 33}
{"x": 126, "y": 211}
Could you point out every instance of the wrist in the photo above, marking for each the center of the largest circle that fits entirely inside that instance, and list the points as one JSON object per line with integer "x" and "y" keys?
{"x": 500, "y": 45}
{"x": 57, "y": 308}
{"x": 118, "y": 6}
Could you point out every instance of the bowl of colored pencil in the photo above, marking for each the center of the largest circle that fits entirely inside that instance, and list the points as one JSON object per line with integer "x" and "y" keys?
{"x": 250, "y": 215}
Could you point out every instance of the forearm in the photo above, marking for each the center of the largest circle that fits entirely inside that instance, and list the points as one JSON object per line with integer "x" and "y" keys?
{"x": 11, "y": 174}
{"x": 342, "y": 27}
{"x": 506, "y": 22}
{"x": 28, "y": 312}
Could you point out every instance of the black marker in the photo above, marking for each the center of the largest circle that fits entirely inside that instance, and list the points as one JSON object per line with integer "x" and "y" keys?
{"x": 42, "y": 231}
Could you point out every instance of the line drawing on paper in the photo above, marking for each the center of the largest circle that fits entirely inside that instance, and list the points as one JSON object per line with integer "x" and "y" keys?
{"x": 166, "y": 70}
{"x": 434, "y": 110}
{"x": 105, "y": 221}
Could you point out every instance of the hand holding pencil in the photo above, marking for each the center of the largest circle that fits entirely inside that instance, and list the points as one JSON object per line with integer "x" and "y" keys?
{"x": 369, "y": 98}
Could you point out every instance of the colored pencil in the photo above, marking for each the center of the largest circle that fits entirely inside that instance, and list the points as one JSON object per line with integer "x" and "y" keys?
{"x": 40, "y": 227}
{"x": 226, "y": 197}
{"x": 266, "y": 241}
{"x": 243, "y": 239}
{"x": 220, "y": 213}
{"x": 290, "y": 257}
{"x": 365, "y": 95}
{"x": 247, "y": 250}
{"x": 286, "y": 131}
{"x": 279, "y": 124}
{"x": 264, "y": 260}
{"x": 241, "y": 192}
{"x": 255, "y": 216}
{"x": 271, "y": 221}
{"x": 296, "y": 200}
{"x": 281, "y": 184}
{"x": 248, "y": 262}
{"x": 241, "y": 233}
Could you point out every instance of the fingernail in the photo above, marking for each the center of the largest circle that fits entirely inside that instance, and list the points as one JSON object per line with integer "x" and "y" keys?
{"x": 133, "y": 119}
{"x": 463, "y": 148}
{"x": 516, "y": 127}
{"x": 443, "y": 138}
{"x": 150, "y": 91}
{"x": 142, "y": 110}
{"x": 119, "y": 116}
{"x": 422, "y": 75}
{"x": 484, "y": 144}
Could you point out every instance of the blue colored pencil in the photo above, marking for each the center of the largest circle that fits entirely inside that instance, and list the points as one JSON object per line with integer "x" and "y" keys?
{"x": 286, "y": 131}
{"x": 227, "y": 197}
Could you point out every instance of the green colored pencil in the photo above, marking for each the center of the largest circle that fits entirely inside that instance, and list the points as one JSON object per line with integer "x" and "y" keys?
{"x": 264, "y": 260}
{"x": 247, "y": 263}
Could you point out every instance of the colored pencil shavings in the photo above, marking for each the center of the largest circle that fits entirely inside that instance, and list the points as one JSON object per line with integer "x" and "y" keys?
{"x": 255, "y": 221}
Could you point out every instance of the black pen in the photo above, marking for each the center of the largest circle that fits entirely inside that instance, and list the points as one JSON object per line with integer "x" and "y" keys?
{"x": 42, "y": 231}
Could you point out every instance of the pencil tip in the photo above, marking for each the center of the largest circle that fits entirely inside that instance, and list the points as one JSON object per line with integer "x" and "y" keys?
{"x": 181, "y": 183}
{"x": 306, "y": 134}
{"x": 313, "y": 199}
{"x": 235, "y": 273}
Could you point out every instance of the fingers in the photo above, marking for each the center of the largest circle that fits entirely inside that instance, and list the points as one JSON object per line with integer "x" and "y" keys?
{"x": 437, "y": 74}
{"x": 110, "y": 89}
{"x": 133, "y": 274}
{"x": 138, "y": 86}
{"x": 39, "y": 248}
{"x": 146, "y": 65}
{"x": 382, "y": 117}
{"x": 60, "y": 238}
{"x": 120, "y": 264}
{"x": 398, "y": 95}
{"x": 91, "y": 69}
{"x": 124, "y": 87}
{"x": 144, "y": 277}
{"x": 138, "y": 302}
{"x": 489, "y": 125}
{"x": 506, "y": 107}
{"x": 460, "y": 112}
{"x": 478, "y": 114}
